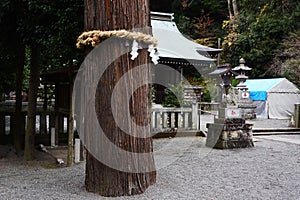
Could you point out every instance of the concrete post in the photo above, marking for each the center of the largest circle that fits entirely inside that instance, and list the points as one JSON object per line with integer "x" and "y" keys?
{"x": 180, "y": 120}
{"x": 172, "y": 120}
{"x": 158, "y": 116}
{"x": 77, "y": 150}
{"x": 153, "y": 119}
{"x": 195, "y": 121}
{"x": 164, "y": 120}
{"x": 186, "y": 120}
{"x": 52, "y": 140}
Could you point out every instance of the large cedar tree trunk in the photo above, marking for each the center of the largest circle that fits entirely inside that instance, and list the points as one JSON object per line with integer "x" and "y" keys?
{"x": 114, "y": 15}
{"x": 32, "y": 97}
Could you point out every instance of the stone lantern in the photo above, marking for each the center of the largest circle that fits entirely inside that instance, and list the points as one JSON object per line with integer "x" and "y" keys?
{"x": 223, "y": 74}
{"x": 241, "y": 70}
{"x": 241, "y": 92}
{"x": 230, "y": 129}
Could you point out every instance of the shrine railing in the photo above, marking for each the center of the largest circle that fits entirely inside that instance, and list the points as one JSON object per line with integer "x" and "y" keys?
{"x": 47, "y": 121}
{"x": 175, "y": 119}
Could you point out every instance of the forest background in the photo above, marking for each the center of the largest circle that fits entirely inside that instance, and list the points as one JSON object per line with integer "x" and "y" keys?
{"x": 265, "y": 33}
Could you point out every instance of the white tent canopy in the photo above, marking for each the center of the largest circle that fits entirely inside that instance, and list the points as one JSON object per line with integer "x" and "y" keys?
{"x": 275, "y": 98}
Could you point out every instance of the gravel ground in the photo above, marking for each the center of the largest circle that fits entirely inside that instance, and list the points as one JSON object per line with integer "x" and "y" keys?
{"x": 270, "y": 170}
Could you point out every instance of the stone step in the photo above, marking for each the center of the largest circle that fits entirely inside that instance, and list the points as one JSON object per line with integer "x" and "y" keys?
{"x": 276, "y": 129}
{"x": 276, "y": 132}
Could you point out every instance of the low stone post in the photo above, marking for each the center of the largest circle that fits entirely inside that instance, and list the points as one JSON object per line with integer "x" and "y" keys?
{"x": 297, "y": 115}
{"x": 195, "y": 119}
{"x": 52, "y": 136}
{"x": 153, "y": 115}
{"x": 77, "y": 150}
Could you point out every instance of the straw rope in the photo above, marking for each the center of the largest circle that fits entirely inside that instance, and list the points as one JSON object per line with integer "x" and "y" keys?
{"x": 93, "y": 38}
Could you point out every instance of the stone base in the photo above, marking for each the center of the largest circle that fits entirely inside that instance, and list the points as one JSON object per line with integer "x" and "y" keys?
{"x": 248, "y": 110}
{"x": 229, "y": 133}
{"x": 231, "y": 144}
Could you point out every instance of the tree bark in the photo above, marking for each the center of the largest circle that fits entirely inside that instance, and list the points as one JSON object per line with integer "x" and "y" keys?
{"x": 229, "y": 10}
{"x": 235, "y": 9}
{"x": 100, "y": 178}
{"x": 17, "y": 50}
{"x": 18, "y": 121}
{"x": 70, "y": 157}
{"x": 32, "y": 97}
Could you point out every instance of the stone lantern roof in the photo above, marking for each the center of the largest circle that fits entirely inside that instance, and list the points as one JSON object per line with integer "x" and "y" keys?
{"x": 225, "y": 73}
{"x": 242, "y": 66}
{"x": 223, "y": 70}
{"x": 241, "y": 69}
{"x": 241, "y": 76}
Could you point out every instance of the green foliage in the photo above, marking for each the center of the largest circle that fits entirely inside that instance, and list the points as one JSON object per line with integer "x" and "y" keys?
{"x": 174, "y": 96}
{"x": 67, "y": 26}
{"x": 256, "y": 35}
{"x": 210, "y": 91}
{"x": 261, "y": 27}
{"x": 287, "y": 59}
{"x": 9, "y": 45}
{"x": 198, "y": 80}
{"x": 206, "y": 94}
{"x": 52, "y": 25}
{"x": 26, "y": 71}
{"x": 55, "y": 26}
{"x": 234, "y": 82}
{"x": 201, "y": 19}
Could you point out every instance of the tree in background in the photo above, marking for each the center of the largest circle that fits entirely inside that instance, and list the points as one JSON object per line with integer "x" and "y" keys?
{"x": 12, "y": 60}
{"x": 287, "y": 59}
{"x": 252, "y": 29}
{"x": 233, "y": 10}
{"x": 257, "y": 34}
{"x": 45, "y": 34}
{"x": 52, "y": 46}
{"x": 40, "y": 32}
{"x": 174, "y": 96}
{"x": 200, "y": 20}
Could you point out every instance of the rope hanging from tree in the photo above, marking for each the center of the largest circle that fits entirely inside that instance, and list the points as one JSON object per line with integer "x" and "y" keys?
{"x": 95, "y": 37}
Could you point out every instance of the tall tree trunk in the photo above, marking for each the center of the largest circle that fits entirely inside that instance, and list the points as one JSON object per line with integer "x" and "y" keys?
{"x": 100, "y": 178}
{"x": 18, "y": 118}
{"x": 71, "y": 126}
{"x": 18, "y": 51}
{"x": 229, "y": 10}
{"x": 235, "y": 9}
{"x": 32, "y": 98}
